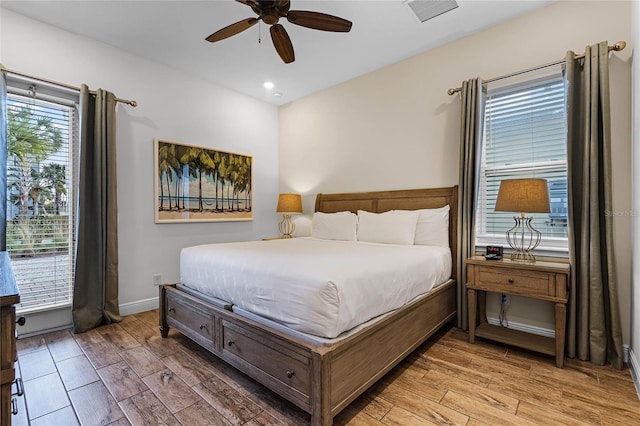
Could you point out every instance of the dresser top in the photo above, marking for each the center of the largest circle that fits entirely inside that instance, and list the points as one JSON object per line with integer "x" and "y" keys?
{"x": 9, "y": 294}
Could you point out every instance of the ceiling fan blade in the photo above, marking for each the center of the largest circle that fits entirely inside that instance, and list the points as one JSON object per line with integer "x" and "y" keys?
{"x": 250, "y": 3}
{"x": 232, "y": 29}
{"x": 318, "y": 21}
{"x": 282, "y": 6}
{"x": 253, "y": 4}
{"x": 282, "y": 43}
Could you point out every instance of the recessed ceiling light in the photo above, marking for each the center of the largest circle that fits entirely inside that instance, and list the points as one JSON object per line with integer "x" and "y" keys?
{"x": 268, "y": 85}
{"x": 277, "y": 95}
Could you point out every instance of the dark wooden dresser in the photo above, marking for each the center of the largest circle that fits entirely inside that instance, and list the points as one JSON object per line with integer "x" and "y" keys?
{"x": 9, "y": 297}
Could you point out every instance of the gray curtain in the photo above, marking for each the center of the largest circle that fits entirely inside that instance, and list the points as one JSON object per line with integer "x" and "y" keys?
{"x": 470, "y": 140}
{"x": 3, "y": 162}
{"x": 95, "y": 295}
{"x": 594, "y": 331}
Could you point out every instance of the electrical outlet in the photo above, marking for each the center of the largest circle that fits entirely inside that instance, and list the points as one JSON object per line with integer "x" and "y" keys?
{"x": 505, "y": 299}
{"x": 157, "y": 279}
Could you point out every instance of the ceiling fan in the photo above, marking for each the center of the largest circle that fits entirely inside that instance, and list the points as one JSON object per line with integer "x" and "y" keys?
{"x": 270, "y": 12}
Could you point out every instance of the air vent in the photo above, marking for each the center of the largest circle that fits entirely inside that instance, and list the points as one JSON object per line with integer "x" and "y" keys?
{"x": 428, "y": 9}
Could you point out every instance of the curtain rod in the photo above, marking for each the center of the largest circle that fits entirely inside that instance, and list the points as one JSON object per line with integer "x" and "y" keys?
{"x": 616, "y": 47}
{"x": 68, "y": 86}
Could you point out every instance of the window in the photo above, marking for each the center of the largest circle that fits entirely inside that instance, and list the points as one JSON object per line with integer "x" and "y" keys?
{"x": 524, "y": 136}
{"x": 42, "y": 133}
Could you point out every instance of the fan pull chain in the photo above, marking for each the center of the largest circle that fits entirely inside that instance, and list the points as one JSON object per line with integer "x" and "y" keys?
{"x": 259, "y": 32}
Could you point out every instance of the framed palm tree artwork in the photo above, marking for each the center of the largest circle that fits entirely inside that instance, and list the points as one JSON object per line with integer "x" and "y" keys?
{"x": 199, "y": 184}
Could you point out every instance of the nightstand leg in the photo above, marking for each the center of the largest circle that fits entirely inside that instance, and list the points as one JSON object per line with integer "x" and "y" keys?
{"x": 472, "y": 301}
{"x": 482, "y": 306}
{"x": 561, "y": 323}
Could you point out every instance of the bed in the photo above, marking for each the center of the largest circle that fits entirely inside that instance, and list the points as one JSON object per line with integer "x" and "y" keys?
{"x": 321, "y": 375}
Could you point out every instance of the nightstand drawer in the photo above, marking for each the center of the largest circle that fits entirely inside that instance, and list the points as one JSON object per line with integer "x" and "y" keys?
{"x": 515, "y": 281}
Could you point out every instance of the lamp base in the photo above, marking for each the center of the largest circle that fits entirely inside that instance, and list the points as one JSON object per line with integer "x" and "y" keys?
{"x": 286, "y": 226}
{"x": 523, "y": 257}
{"x": 523, "y": 238}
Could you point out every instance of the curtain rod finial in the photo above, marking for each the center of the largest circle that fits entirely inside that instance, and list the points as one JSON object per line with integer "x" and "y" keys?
{"x": 620, "y": 46}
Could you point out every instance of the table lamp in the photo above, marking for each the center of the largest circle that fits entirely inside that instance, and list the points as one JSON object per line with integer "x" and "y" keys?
{"x": 523, "y": 195}
{"x": 288, "y": 204}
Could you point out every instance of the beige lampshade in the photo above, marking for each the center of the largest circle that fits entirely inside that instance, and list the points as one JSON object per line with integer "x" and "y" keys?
{"x": 523, "y": 195}
{"x": 289, "y": 203}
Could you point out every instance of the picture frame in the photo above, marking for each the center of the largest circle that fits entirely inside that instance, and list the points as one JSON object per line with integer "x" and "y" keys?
{"x": 201, "y": 184}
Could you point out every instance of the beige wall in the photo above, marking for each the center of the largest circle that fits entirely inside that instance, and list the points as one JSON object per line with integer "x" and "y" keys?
{"x": 634, "y": 352}
{"x": 397, "y": 127}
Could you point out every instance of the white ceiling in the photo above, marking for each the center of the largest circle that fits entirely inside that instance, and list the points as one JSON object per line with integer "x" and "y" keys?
{"x": 173, "y": 33}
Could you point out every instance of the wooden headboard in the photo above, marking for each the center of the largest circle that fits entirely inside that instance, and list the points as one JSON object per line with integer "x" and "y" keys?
{"x": 405, "y": 199}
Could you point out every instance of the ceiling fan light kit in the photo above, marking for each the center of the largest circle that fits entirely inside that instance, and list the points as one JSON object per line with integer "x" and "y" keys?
{"x": 270, "y": 12}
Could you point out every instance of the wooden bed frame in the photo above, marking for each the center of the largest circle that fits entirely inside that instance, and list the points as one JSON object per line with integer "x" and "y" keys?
{"x": 322, "y": 380}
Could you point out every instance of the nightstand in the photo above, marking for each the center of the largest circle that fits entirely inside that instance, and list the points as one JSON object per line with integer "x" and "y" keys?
{"x": 540, "y": 280}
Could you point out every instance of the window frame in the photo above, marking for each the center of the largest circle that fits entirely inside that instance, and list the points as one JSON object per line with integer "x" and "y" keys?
{"x": 57, "y": 97}
{"x": 549, "y": 246}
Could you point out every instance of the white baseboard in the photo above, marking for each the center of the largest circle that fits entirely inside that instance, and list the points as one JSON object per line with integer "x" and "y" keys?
{"x": 49, "y": 321}
{"x": 540, "y": 331}
{"x": 139, "y": 306}
{"x": 634, "y": 367}
{"x": 546, "y": 332}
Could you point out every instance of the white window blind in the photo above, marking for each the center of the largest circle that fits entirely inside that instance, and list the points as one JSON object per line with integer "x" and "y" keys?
{"x": 524, "y": 136}
{"x": 42, "y": 134}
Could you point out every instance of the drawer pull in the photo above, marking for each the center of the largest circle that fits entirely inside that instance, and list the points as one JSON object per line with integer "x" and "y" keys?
{"x": 172, "y": 310}
{"x": 203, "y": 326}
{"x": 290, "y": 373}
{"x": 510, "y": 280}
{"x": 231, "y": 342}
{"x": 19, "y": 387}
{"x": 21, "y": 321}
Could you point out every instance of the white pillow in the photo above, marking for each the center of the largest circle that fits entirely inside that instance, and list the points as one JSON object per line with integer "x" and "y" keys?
{"x": 388, "y": 228}
{"x": 433, "y": 227}
{"x": 334, "y": 226}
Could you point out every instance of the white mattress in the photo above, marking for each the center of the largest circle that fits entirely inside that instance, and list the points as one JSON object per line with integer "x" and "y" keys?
{"x": 314, "y": 286}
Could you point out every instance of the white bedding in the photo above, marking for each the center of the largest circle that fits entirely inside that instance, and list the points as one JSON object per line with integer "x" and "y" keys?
{"x": 320, "y": 287}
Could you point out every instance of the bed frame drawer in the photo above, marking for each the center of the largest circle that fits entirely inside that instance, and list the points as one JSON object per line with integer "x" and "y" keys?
{"x": 191, "y": 317}
{"x": 285, "y": 366}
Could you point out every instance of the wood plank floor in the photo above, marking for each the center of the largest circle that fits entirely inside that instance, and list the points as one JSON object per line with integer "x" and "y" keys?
{"x": 126, "y": 373}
